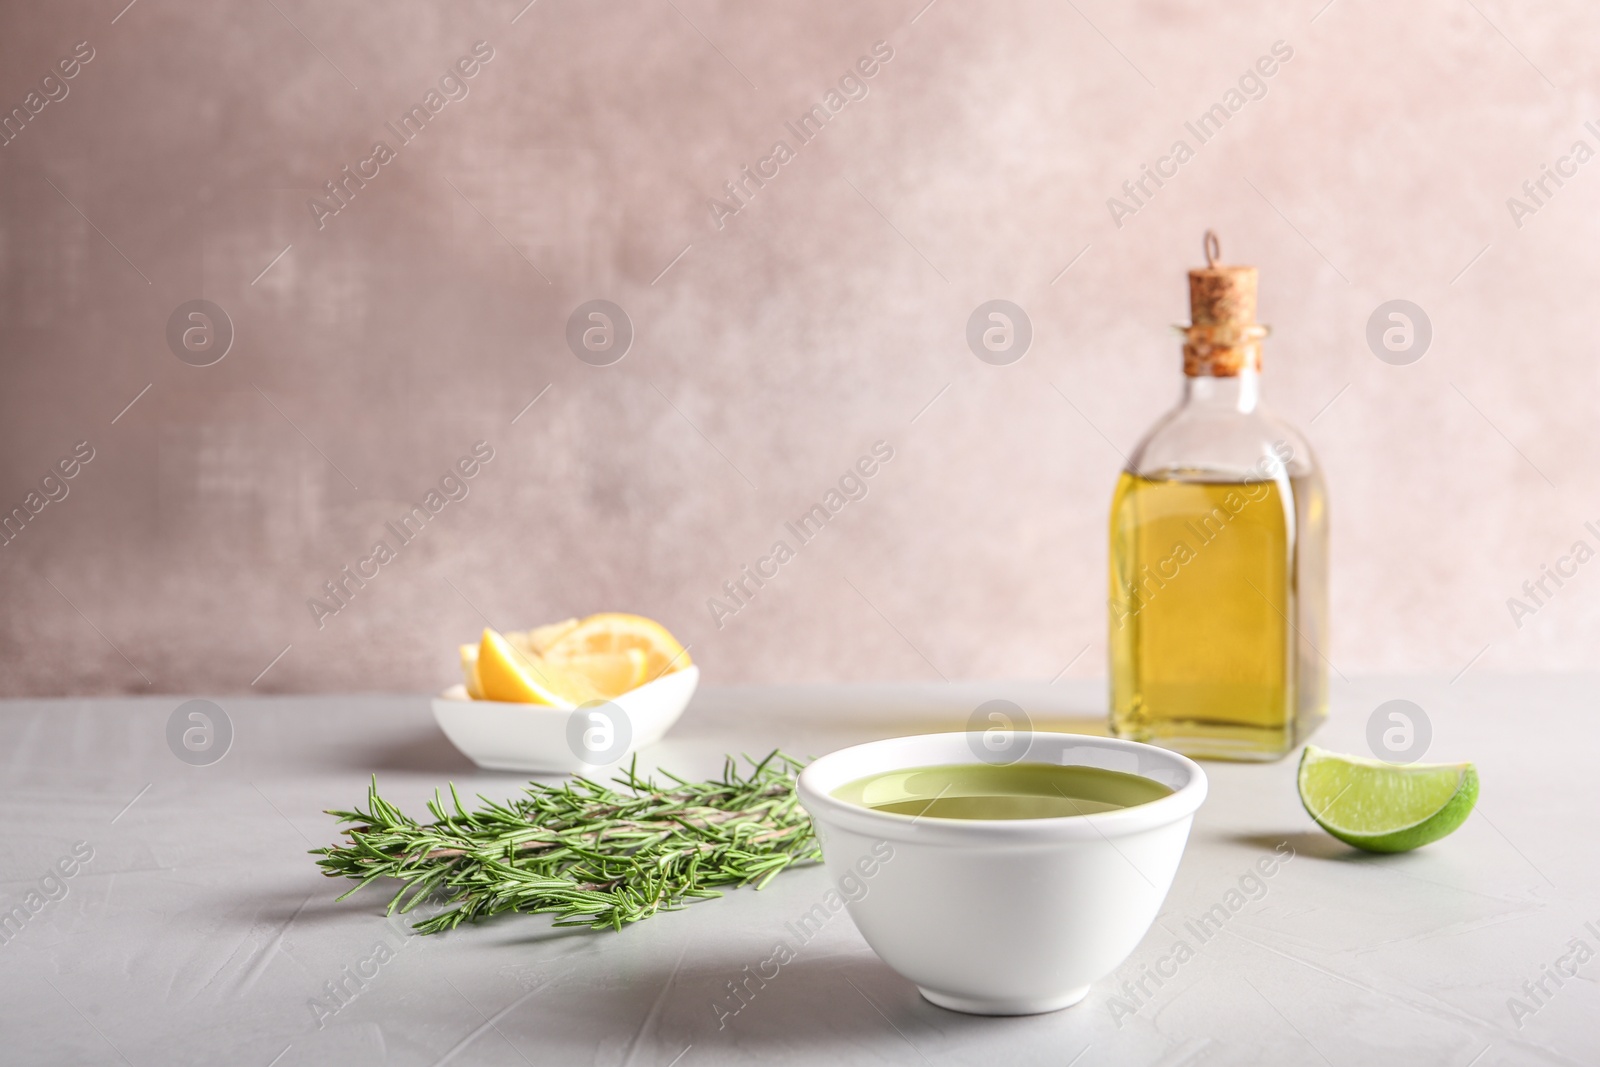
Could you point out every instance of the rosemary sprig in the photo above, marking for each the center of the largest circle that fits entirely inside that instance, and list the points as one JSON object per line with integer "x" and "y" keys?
{"x": 586, "y": 853}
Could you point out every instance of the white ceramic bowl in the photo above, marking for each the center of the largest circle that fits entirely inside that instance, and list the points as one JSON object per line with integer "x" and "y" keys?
{"x": 1003, "y": 917}
{"x": 527, "y": 737}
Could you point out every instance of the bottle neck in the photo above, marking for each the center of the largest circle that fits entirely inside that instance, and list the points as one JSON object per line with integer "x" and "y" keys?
{"x": 1236, "y": 392}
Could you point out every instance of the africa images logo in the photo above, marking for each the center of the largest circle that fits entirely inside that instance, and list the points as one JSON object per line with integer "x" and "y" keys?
{"x": 453, "y": 85}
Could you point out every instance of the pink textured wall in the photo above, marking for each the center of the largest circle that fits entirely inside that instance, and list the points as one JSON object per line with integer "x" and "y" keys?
{"x": 776, "y": 344}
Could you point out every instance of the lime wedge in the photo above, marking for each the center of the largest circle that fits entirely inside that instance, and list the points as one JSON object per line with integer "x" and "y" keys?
{"x": 1385, "y": 807}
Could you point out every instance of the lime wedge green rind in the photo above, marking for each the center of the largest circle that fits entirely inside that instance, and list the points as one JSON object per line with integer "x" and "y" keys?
{"x": 1385, "y": 807}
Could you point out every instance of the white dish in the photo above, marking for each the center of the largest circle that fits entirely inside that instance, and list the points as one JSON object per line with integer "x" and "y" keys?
{"x": 1003, "y": 917}
{"x": 529, "y": 737}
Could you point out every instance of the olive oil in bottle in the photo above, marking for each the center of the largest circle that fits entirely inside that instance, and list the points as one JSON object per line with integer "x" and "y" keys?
{"x": 1218, "y": 592}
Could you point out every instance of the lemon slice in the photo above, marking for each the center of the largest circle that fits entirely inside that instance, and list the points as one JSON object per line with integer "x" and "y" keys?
{"x": 508, "y": 675}
{"x": 613, "y": 673}
{"x": 540, "y": 638}
{"x": 534, "y": 642}
{"x": 1385, "y": 807}
{"x": 469, "y": 671}
{"x": 518, "y": 640}
{"x": 616, "y": 632}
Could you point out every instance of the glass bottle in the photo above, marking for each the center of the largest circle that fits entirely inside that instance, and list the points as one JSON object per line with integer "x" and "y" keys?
{"x": 1219, "y": 553}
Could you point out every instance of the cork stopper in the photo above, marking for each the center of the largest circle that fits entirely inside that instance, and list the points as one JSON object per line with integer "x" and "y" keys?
{"x": 1224, "y": 337}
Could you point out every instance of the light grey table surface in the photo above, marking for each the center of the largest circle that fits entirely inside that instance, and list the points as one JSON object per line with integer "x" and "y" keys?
{"x": 199, "y": 931}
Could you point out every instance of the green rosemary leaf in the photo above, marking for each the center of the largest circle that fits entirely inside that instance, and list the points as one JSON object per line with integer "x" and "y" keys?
{"x": 582, "y": 851}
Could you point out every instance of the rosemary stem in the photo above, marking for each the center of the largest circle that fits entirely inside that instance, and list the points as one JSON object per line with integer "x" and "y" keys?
{"x": 582, "y": 851}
